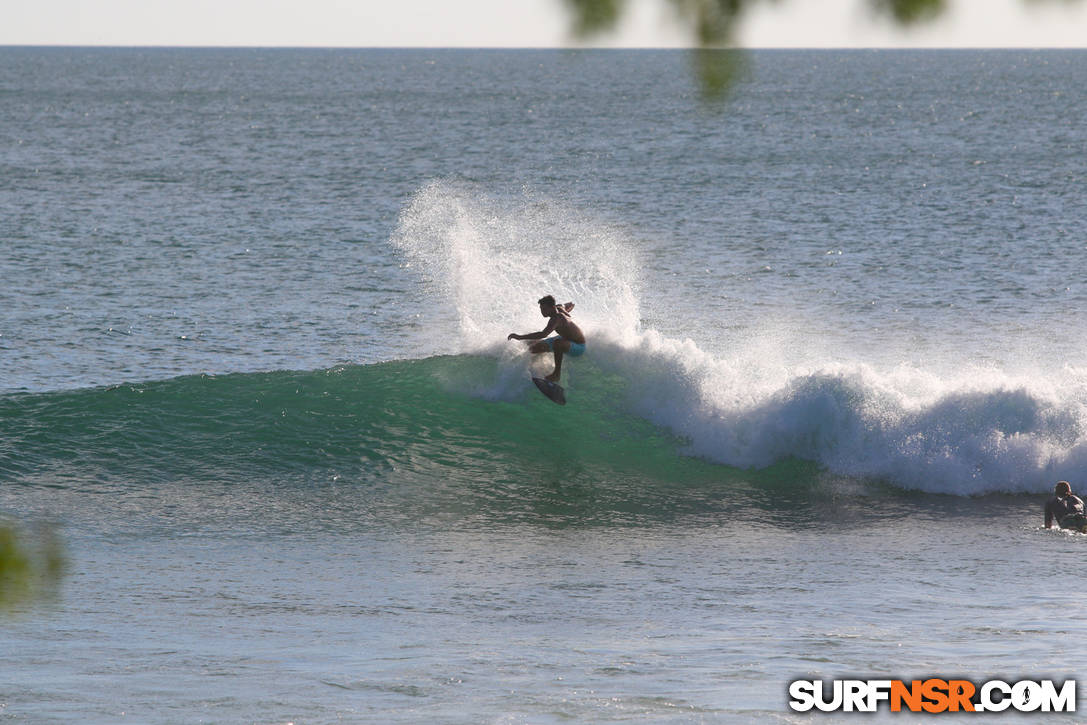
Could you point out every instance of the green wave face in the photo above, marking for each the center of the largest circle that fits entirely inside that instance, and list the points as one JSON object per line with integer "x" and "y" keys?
{"x": 445, "y": 436}
{"x": 446, "y": 416}
{"x": 470, "y": 436}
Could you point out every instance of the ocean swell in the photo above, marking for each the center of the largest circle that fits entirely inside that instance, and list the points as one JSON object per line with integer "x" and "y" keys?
{"x": 768, "y": 396}
{"x": 631, "y": 409}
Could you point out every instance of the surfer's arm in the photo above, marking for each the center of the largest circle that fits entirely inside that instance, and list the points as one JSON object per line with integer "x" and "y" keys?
{"x": 568, "y": 306}
{"x": 535, "y": 335}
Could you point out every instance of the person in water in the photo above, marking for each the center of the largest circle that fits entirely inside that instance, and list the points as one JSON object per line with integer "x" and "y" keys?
{"x": 570, "y": 340}
{"x": 1065, "y": 508}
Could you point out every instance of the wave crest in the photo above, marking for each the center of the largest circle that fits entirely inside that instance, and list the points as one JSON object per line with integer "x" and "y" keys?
{"x": 764, "y": 396}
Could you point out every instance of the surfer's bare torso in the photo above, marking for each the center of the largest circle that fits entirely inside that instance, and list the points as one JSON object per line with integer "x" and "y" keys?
{"x": 564, "y": 325}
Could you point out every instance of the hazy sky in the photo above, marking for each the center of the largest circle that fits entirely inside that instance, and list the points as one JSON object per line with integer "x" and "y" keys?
{"x": 516, "y": 23}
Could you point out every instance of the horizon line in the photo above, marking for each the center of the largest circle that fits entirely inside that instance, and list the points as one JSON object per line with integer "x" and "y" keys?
{"x": 210, "y": 46}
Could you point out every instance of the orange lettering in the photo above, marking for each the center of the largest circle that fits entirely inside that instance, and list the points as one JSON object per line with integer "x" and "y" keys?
{"x": 934, "y": 691}
{"x": 959, "y": 694}
{"x": 910, "y": 695}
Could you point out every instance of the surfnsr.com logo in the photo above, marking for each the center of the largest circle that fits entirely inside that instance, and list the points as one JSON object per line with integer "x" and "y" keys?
{"x": 932, "y": 695}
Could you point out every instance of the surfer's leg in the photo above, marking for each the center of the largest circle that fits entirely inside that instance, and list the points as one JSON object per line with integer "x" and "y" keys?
{"x": 560, "y": 347}
{"x": 542, "y": 345}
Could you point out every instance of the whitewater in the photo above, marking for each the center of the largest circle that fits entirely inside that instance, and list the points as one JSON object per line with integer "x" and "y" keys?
{"x": 762, "y": 396}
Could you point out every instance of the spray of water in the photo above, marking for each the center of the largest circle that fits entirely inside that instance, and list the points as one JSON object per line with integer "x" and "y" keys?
{"x": 493, "y": 258}
{"x": 964, "y": 432}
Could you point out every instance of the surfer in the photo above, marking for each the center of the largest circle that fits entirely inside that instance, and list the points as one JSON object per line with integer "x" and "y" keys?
{"x": 1065, "y": 508}
{"x": 570, "y": 340}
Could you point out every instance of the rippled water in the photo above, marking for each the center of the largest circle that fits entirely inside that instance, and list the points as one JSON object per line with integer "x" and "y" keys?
{"x": 255, "y": 307}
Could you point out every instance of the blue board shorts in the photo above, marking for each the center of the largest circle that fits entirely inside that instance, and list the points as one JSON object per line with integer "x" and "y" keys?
{"x": 577, "y": 349}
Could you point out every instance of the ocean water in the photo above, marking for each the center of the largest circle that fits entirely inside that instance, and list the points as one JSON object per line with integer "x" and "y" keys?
{"x": 253, "y": 321}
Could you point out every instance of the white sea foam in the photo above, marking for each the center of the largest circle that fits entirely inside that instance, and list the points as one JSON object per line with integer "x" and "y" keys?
{"x": 774, "y": 396}
{"x": 978, "y": 432}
